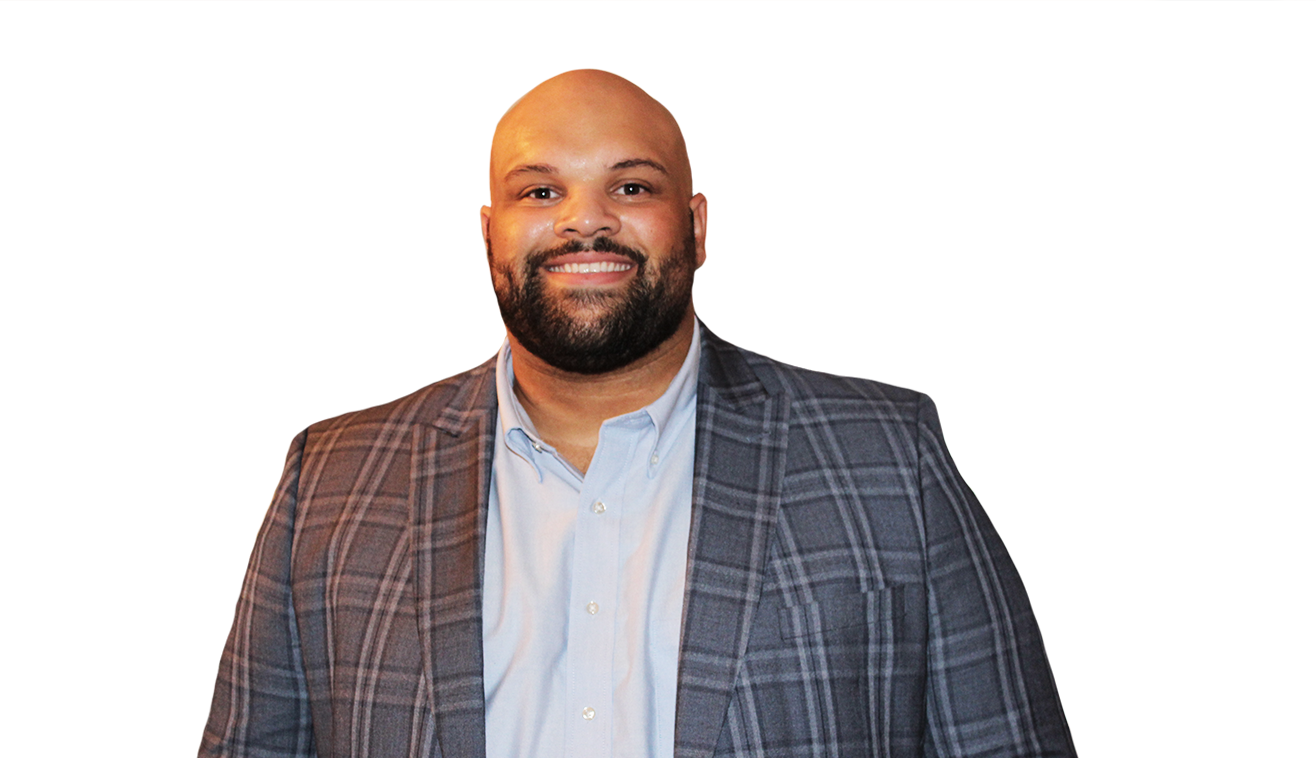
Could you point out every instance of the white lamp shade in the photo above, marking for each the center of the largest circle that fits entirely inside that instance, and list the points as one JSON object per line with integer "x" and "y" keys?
{"x": 113, "y": 696}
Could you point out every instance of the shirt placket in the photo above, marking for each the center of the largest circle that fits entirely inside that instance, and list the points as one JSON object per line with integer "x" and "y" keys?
{"x": 591, "y": 630}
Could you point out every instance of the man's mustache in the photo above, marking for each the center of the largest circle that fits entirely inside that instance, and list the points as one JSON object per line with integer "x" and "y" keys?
{"x": 535, "y": 260}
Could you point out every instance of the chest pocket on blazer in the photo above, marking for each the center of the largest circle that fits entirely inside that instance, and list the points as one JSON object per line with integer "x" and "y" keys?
{"x": 834, "y": 611}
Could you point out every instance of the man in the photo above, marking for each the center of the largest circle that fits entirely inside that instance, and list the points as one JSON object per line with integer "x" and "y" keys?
{"x": 624, "y": 536}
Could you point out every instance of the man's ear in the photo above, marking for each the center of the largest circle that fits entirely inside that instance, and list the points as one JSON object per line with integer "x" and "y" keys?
{"x": 488, "y": 257}
{"x": 699, "y": 218}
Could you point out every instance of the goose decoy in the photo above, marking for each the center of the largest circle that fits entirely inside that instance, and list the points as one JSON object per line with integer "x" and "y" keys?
{"x": 76, "y": 359}
{"x": 196, "y": 365}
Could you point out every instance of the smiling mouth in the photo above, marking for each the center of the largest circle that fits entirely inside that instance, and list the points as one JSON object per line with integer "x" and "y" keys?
{"x": 593, "y": 267}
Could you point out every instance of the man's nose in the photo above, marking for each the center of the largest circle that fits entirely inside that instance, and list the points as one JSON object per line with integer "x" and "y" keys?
{"x": 586, "y": 215}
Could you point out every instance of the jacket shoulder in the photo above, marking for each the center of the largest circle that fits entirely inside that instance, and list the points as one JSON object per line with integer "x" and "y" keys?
{"x": 447, "y": 402}
{"x": 817, "y": 392}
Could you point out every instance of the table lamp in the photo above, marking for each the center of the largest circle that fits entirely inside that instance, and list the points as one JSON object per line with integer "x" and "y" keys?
{"x": 113, "y": 696}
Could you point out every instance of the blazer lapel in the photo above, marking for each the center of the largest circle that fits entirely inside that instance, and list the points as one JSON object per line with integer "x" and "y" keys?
{"x": 451, "y": 460}
{"x": 740, "y": 447}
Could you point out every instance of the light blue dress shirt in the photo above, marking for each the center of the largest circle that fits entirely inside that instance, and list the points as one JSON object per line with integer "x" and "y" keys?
{"x": 584, "y": 581}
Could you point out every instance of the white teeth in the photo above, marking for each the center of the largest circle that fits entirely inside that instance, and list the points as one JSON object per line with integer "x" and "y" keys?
{"x": 600, "y": 267}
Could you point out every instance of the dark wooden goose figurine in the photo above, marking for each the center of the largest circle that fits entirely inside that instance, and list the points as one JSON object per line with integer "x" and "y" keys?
{"x": 76, "y": 359}
{"x": 196, "y": 365}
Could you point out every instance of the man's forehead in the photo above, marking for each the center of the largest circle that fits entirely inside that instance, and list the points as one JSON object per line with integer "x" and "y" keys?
{"x": 555, "y": 151}
{"x": 587, "y": 120}
{"x": 622, "y": 165}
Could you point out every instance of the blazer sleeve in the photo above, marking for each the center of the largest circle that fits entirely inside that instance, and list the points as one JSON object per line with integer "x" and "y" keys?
{"x": 261, "y": 707}
{"x": 989, "y": 689}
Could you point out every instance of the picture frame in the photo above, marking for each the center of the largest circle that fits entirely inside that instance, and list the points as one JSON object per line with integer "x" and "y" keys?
{"x": 20, "y": 412}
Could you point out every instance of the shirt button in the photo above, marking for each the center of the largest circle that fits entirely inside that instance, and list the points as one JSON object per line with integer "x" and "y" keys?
{"x": 654, "y": 459}
{"x": 538, "y": 447}
{"x": 588, "y": 713}
{"x": 592, "y": 608}
{"x": 599, "y": 507}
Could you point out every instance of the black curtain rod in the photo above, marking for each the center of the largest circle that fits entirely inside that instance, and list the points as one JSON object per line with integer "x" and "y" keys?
{"x": 1021, "y": 38}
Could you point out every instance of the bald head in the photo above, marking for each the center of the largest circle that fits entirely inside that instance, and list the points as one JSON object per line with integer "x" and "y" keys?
{"x": 589, "y": 110}
{"x": 592, "y": 233}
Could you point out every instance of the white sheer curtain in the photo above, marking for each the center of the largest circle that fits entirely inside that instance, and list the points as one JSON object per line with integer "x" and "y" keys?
{"x": 482, "y": 327}
{"x": 1299, "y": 16}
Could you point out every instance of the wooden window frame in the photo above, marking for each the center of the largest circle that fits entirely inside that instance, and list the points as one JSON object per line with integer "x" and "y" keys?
{"x": 744, "y": 169}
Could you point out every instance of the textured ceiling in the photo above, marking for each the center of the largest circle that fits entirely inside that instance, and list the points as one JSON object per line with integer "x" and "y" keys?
{"x": 57, "y": 49}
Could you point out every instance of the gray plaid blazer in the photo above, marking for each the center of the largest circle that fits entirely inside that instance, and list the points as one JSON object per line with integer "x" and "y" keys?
{"x": 846, "y": 594}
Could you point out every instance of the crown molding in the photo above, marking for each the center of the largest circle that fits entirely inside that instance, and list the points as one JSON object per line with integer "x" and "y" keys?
{"x": 361, "y": 45}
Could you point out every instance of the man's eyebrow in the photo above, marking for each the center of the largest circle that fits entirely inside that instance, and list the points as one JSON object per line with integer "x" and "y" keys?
{"x": 531, "y": 168}
{"x": 633, "y": 162}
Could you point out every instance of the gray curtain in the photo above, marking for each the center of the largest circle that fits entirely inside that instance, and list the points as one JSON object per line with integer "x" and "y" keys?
{"x": 394, "y": 303}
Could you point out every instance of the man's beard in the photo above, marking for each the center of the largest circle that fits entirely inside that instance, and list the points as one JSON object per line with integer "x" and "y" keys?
{"x": 618, "y": 327}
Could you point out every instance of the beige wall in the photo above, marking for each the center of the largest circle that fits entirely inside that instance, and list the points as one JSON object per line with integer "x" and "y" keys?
{"x": 175, "y": 161}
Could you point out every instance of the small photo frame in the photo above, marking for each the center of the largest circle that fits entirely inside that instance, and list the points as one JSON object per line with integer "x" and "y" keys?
{"x": 71, "y": 417}
{"x": 19, "y": 408}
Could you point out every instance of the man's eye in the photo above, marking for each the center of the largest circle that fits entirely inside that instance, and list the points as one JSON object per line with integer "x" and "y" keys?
{"x": 540, "y": 193}
{"x": 631, "y": 188}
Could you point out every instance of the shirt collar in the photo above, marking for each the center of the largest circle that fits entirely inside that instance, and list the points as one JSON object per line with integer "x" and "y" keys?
{"x": 519, "y": 432}
{"x": 680, "y": 393}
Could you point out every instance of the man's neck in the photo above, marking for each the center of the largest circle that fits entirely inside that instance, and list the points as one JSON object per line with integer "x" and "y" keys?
{"x": 567, "y": 409}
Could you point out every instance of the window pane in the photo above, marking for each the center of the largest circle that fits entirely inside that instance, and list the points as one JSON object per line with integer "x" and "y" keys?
{"x": 1008, "y": 430}
{"x": 841, "y": 279}
{"x": 1054, "y": 613}
{"x": 1236, "y": 452}
{"x": 991, "y": 267}
{"x": 1239, "y": 670}
{"x": 1227, "y": 242}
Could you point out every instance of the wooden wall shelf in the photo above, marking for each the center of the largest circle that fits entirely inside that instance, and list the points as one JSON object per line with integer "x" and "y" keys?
{"x": 46, "y": 458}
